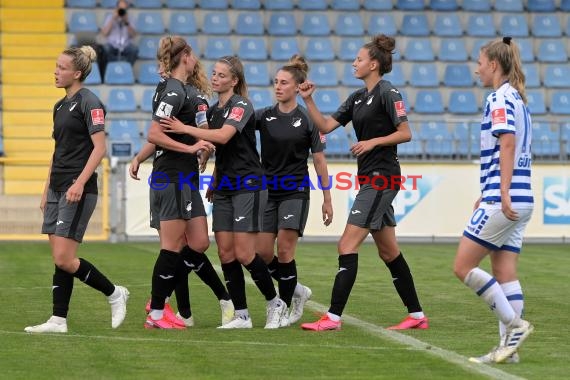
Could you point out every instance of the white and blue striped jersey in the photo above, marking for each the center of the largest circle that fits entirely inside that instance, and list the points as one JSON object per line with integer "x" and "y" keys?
{"x": 505, "y": 112}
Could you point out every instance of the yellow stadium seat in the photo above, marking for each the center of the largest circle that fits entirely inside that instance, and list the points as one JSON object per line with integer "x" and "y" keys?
{"x": 37, "y": 14}
{"x": 9, "y": 51}
{"x": 31, "y": 65}
{"x": 25, "y": 172}
{"x": 28, "y": 131}
{"x": 34, "y": 39}
{"x": 36, "y": 104}
{"x": 24, "y": 187}
{"x": 17, "y": 147}
{"x": 20, "y": 26}
{"x": 33, "y": 3}
{"x": 27, "y": 77}
{"x": 18, "y": 119}
{"x": 27, "y": 91}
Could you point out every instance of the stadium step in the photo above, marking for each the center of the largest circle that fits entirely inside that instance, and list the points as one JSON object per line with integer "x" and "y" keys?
{"x": 23, "y": 147}
{"x": 29, "y": 65}
{"x": 25, "y": 52}
{"x": 12, "y": 187}
{"x": 11, "y": 26}
{"x": 34, "y": 39}
{"x": 19, "y": 119}
{"x": 33, "y": 3}
{"x": 34, "y": 104}
{"x": 26, "y": 131}
{"x": 12, "y": 77}
{"x": 27, "y": 91}
{"x": 25, "y": 172}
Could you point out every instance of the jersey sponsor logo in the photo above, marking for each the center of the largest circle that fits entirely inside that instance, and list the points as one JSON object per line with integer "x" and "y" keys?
{"x": 202, "y": 107}
{"x": 400, "y": 108}
{"x": 369, "y": 101}
{"x": 499, "y": 116}
{"x": 163, "y": 110}
{"x": 98, "y": 116}
{"x": 296, "y": 122}
{"x": 72, "y": 106}
{"x": 556, "y": 208}
{"x": 242, "y": 102}
{"x": 172, "y": 93}
{"x": 236, "y": 114}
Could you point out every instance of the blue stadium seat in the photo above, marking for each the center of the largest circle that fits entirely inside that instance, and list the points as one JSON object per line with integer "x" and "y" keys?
{"x": 396, "y": 76}
{"x": 382, "y": 24}
{"x": 119, "y": 72}
{"x": 148, "y": 3}
{"x": 346, "y": 5}
{"x": 81, "y": 3}
{"x": 560, "y": 103}
{"x": 419, "y": 49}
{"x": 260, "y": 97}
{"x": 567, "y": 31}
{"x": 121, "y": 100}
{"x": 349, "y": 47}
{"x": 216, "y": 23}
{"x": 146, "y": 101}
{"x": 545, "y": 139}
{"x": 565, "y": 6}
{"x": 452, "y": 49}
{"x": 477, "y": 5}
{"x": 462, "y": 102}
{"x": 250, "y": 23}
{"x": 348, "y": 78}
{"x": 443, "y": 5}
{"x": 148, "y": 46}
{"x": 150, "y": 22}
{"x": 531, "y": 73}
{"x": 481, "y": 25}
{"x": 108, "y": 3}
{"x": 278, "y": 5}
{"x": 514, "y": 25}
{"x": 246, "y": 4}
{"x": 193, "y": 42}
{"x": 438, "y": 139}
{"x": 324, "y": 74}
{"x": 182, "y": 23}
{"x": 214, "y": 4}
{"x": 424, "y": 75}
{"x": 349, "y": 24}
{"x": 468, "y": 139}
{"x": 415, "y": 25}
{"x": 121, "y": 130}
{"x": 315, "y": 24}
{"x": 526, "y": 49}
{"x": 327, "y": 100}
{"x": 565, "y": 137}
{"x": 253, "y": 49}
{"x": 448, "y": 25}
{"x": 257, "y": 74}
{"x": 83, "y": 21}
{"x": 378, "y": 5}
{"x": 552, "y": 50}
{"x": 319, "y": 49}
{"x": 547, "y": 25}
{"x": 476, "y": 49}
{"x": 337, "y": 142}
{"x": 283, "y": 48}
{"x": 180, "y": 4}
{"x": 282, "y": 24}
{"x": 509, "y": 6}
{"x": 313, "y": 5}
{"x": 557, "y": 75}
{"x": 541, "y": 6}
{"x": 410, "y": 5}
{"x": 535, "y": 102}
{"x": 411, "y": 148}
{"x": 217, "y": 47}
{"x": 148, "y": 73}
{"x": 428, "y": 101}
{"x": 94, "y": 76}
{"x": 458, "y": 75}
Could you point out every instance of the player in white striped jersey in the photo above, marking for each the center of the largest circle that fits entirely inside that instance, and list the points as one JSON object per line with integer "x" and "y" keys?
{"x": 505, "y": 206}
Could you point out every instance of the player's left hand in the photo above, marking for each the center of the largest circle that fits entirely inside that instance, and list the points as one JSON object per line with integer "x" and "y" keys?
{"x": 172, "y": 124}
{"x": 362, "y": 147}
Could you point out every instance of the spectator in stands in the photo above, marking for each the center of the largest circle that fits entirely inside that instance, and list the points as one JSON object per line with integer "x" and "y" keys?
{"x": 505, "y": 206}
{"x": 119, "y": 35}
{"x": 174, "y": 206}
{"x": 70, "y": 193}
{"x": 238, "y": 204}
{"x": 287, "y": 134}
{"x": 379, "y": 118}
{"x": 192, "y": 256}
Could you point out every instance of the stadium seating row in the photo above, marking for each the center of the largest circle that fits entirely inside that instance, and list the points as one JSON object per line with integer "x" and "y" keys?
{"x": 413, "y": 5}
{"x": 344, "y": 24}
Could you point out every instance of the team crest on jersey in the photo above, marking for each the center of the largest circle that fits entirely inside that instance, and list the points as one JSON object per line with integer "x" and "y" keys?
{"x": 369, "y": 101}
{"x": 296, "y": 122}
{"x": 400, "y": 108}
{"x": 236, "y": 114}
{"x": 499, "y": 116}
{"x": 164, "y": 110}
{"x": 98, "y": 116}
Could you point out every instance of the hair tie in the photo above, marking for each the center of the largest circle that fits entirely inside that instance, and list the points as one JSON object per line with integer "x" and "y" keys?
{"x": 507, "y": 40}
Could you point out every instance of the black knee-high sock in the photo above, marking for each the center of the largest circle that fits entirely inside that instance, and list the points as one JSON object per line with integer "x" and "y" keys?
{"x": 235, "y": 282}
{"x": 287, "y": 281}
{"x": 273, "y": 268}
{"x": 182, "y": 289}
{"x": 261, "y": 277}
{"x": 92, "y": 277}
{"x": 343, "y": 282}
{"x": 163, "y": 278}
{"x": 62, "y": 287}
{"x": 205, "y": 270}
{"x": 404, "y": 283}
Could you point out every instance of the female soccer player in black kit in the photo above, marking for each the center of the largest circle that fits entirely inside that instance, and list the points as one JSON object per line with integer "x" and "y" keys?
{"x": 379, "y": 118}
{"x": 238, "y": 196}
{"x": 175, "y": 206}
{"x": 70, "y": 194}
{"x": 287, "y": 134}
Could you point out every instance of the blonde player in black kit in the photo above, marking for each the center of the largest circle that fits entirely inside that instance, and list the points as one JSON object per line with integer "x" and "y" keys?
{"x": 379, "y": 119}
{"x": 238, "y": 196}
{"x": 70, "y": 194}
{"x": 287, "y": 135}
{"x": 175, "y": 206}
